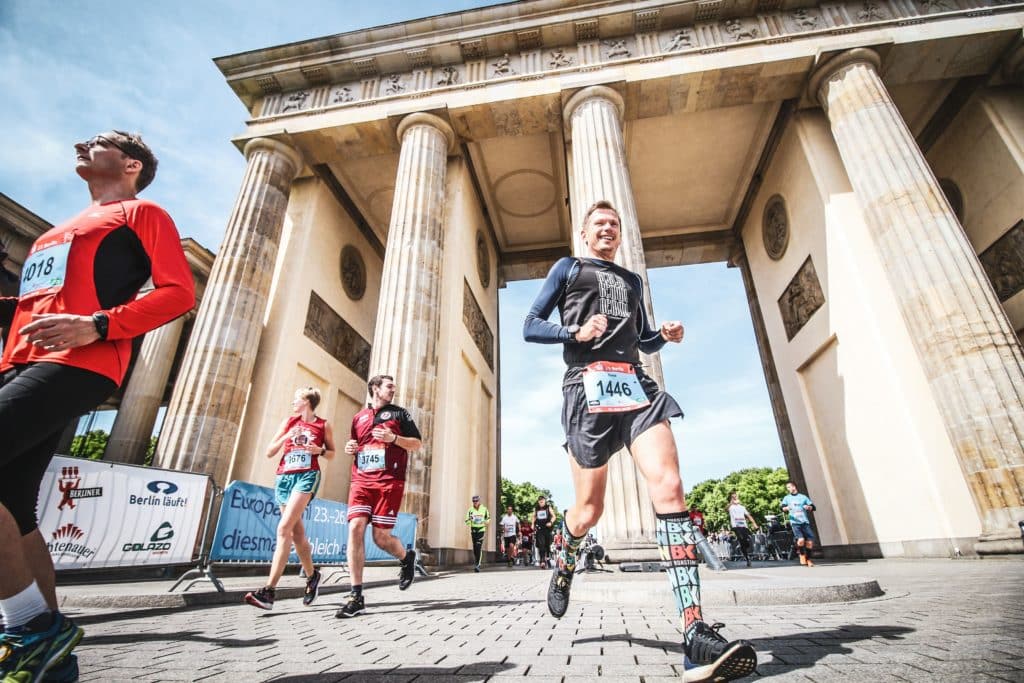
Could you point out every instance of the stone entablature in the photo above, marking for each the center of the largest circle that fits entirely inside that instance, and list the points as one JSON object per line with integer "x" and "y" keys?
{"x": 590, "y": 52}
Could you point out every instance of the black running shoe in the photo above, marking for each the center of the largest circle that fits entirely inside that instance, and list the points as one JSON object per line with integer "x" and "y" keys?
{"x": 408, "y": 571}
{"x": 353, "y": 607}
{"x": 558, "y": 592}
{"x": 312, "y": 588}
{"x": 710, "y": 657}
{"x": 263, "y": 598}
{"x": 64, "y": 672}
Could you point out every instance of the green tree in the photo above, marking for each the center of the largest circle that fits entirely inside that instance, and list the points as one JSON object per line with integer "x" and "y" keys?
{"x": 761, "y": 491}
{"x": 522, "y": 498}
{"x": 150, "y": 451}
{"x": 90, "y": 445}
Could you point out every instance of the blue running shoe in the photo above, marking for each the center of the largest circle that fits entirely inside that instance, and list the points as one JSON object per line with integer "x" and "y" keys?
{"x": 28, "y": 652}
{"x": 710, "y": 658}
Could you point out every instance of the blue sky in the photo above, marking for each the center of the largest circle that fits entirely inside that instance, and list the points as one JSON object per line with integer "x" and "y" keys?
{"x": 72, "y": 68}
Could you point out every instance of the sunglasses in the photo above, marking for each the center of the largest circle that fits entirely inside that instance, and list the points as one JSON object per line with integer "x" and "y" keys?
{"x": 101, "y": 140}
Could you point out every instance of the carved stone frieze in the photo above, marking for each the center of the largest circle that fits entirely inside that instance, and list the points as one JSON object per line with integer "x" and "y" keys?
{"x": 503, "y": 67}
{"x": 801, "y": 299}
{"x": 295, "y": 101}
{"x": 1004, "y": 262}
{"x": 682, "y": 38}
{"x": 479, "y": 330}
{"x": 775, "y": 227}
{"x": 615, "y": 49}
{"x": 335, "y": 336}
{"x": 559, "y": 59}
{"x": 353, "y": 272}
{"x": 738, "y": 30}
{"x": 707, "y": 34}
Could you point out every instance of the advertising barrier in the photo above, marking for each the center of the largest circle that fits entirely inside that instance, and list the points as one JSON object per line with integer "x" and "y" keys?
{"x": 96, "y": 514}
{"x": 247, "y": 528}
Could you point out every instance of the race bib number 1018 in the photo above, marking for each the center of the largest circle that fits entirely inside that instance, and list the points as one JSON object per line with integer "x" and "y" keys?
{"x": 613, "y": 388}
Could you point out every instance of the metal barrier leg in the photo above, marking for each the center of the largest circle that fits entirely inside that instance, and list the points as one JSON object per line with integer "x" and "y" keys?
{"x": 203, "y": 571}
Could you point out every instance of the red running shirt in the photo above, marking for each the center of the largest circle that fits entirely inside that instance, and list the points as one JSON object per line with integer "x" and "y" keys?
{"x": 302, "y": 436}
{"x": 98, "y": 261}
{"x": 376, "y": 461}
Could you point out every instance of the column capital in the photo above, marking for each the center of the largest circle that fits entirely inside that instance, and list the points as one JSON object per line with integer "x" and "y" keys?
{"x": 824, "y": 72}
{"x": 598, "y": 91}
{"x": 276, "y": 146}
{"x": 424, "y": 119}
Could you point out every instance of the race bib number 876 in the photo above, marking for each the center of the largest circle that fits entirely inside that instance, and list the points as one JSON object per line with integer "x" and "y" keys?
{"x": 613, "y": 388}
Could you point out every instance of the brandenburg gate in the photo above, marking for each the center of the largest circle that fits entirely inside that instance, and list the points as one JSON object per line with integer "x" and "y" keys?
{"x": 861, "y": 163}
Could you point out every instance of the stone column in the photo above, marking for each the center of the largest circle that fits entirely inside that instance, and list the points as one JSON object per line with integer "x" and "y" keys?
{"x": 409, "y": 312}
{"x": 966, "y": 345}
{"x": 593, "y": 122}
{"x": 133, "y": 425}
{"x": 209, "y": 395}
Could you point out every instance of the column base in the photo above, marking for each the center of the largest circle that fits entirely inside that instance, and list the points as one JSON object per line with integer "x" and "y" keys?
{"x": 630, "y": 551}
{"x": 1000, "y": 543}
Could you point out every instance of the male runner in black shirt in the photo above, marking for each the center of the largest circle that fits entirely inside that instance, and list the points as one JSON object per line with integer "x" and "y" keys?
{"x": 609, "y": 402}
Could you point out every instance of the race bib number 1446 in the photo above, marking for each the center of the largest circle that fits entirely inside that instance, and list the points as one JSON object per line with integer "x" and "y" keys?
{"x": 613, "y": 388}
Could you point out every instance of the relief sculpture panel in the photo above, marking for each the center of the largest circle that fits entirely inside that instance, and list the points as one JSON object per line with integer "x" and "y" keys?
{"x": 1004, "y": 262}
{"x": 473, "y": 319}
{"x": 801, "y": 299}
{"x": 335, "y": 336}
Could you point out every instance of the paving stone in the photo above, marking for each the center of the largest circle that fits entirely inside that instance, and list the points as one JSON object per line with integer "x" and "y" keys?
{"x": 494, "y": 626}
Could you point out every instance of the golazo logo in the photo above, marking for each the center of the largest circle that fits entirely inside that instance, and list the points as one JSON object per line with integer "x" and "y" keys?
{"x": 68, "y": 484}
{"x": 66, "y": 541}
{"x": 157, "y": 542}
{"x": 164, "y": 487}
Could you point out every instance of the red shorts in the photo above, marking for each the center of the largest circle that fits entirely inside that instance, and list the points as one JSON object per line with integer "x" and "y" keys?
{"x": 377, "y": 501}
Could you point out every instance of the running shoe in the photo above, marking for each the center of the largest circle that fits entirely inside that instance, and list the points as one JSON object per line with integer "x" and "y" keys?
{"x": 476, "y": 568}
{"x": 558, "y": 592}
{"x": 353, "y": 607}
{"x": 263, "y": 598}
{"x": 710, "y": 657}
{"x": 312, "y": 588}
{"x": 408, "y": 571}
{"x": 63, "y": 672}
{"x": 28, "y": 652}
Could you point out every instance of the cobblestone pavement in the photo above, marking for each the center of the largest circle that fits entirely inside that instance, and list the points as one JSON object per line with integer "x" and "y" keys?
{"x": 940, "y": 621}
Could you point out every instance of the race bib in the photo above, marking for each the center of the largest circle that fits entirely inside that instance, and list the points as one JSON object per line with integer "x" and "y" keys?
{"x": 295, "y": 461}
{"x": 45, "y": 270}
{"x": 370, "y": 459}
{"x": 477, "y": 519}
{"x": 542, "y": 514}
{"x": 613, "y": 388}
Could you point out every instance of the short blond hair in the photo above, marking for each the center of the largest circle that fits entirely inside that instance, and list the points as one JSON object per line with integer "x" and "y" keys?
{"x": 311, "y": 394}
{"x": 600, "y": 205}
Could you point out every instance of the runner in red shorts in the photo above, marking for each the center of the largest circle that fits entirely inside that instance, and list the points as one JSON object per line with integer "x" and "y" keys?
{"x": 382, "y": 437}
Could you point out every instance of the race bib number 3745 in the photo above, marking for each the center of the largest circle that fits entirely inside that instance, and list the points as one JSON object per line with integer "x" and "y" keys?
{"x": 613, "y": 388}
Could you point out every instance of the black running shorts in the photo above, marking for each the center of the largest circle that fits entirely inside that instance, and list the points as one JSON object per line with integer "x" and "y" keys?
{"x": 592, "y": 438}
{"x": 37, "y": 402}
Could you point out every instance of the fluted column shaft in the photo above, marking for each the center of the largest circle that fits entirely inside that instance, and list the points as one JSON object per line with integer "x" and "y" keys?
{"x": 133, "y": 425}
{"x": 409, "y": 313}
{"x": 209, "y": 395}
{"x": 967, "y": 347}
{"x": 593, "y": 118}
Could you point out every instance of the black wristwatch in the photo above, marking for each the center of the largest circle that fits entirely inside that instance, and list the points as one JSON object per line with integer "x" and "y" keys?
{"x": 102, "y": 323}
{"x": 572, "y": 330}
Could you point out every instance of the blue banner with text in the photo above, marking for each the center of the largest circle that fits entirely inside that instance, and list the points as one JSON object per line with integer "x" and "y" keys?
{"x": 247, "y": 528}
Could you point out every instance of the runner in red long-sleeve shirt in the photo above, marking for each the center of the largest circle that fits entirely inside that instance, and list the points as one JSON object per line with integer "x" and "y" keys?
{"x": 68, "y": 349}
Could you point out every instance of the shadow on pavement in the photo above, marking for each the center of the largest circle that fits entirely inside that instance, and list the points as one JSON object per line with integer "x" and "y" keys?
{"x": 801, "y": 650}
{"x": 479, "y": 671}
{"x": 193, "y": 636}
